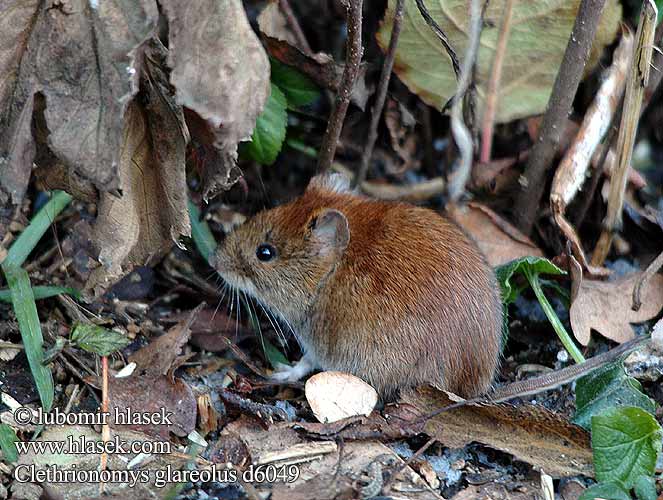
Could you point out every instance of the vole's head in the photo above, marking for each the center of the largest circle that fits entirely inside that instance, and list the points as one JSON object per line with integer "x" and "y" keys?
{"x": 282, "y": 256}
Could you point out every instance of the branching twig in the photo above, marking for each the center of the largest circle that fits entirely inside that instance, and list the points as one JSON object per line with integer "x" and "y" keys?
{"x": 385, "y": 76}
{"x": 294, "y": 26}
{"x": 559, "y": 105}
{"x": 441, "y": 35}
{"x": 635, "y": 89}
{"x": 490, "y": 107}
{"x": 353, "y": 58}
{"x": 462, "y": 135}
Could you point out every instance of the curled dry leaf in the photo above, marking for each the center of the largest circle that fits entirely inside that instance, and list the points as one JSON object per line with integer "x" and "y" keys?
{"x": 337, "y": 395}
{"x": 273, "y": 23}
{"x": 79, "y": 57}
{"x": 605, "y": 306}
{"x": 539, "y": 34}
{"x": 139, "y": 227}
{"x": 530, "y": 433}
{"x": 221, "y": 72}
{"x": 499, "y": 241}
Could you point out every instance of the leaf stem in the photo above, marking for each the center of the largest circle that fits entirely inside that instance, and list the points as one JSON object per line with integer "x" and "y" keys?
{"x": 554, "y": 320}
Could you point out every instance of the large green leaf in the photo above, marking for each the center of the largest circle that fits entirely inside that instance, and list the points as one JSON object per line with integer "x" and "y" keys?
{"x": 268, "y": 136}
{"x": 608, "y": 387}
{"x": 539, "y": 34}
{"x": 626, "y": 443}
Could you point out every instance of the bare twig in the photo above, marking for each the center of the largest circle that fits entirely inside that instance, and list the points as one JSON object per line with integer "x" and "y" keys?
{"x": 441, "y": 35}
{"x": 635, "y": 89}
{"x": 651, "y": 270}
{"x": 262, "y": 411}
{"x": 385, "y": 76}
{"x": 490, "y": 108}
{"x": 353, "y": 58}
{"x": 294, "y": 26}
{"x": 461, "y": 134}
{"x": 559, "y": 105}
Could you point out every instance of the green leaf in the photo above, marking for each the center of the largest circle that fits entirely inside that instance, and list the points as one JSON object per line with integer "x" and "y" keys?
{"x": 608, "y": 387}
{"x": 537, "y": 41}
{"x": 606, "y": 491}
{"x": 645, "y": 488}
{"x": 297, "y": 88}
{"x": 269, "y": 133}
{"x": 42, "y": 292}
{"x": 532, "y": 265}
{"x": 29, "y": 238}
{"x": 201, "y": 234}
{"x": 626, "y": 443}
{"x": 273, "y": 355}
{"x": 25, "y": 310}
{"x": 7, "y": 440}
{"x": 93, "y": 338}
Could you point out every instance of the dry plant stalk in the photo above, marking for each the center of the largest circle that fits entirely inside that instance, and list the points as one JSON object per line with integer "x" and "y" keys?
{"x": 557, "y": 112}
{"x": 572, "y": 170}
{"x": 488, "y": 119}
{"x": 354, "y": 51}
{"x": 461, "y": 134}
{"x": 385, "y": 76}
{"x": 635, "y": 89}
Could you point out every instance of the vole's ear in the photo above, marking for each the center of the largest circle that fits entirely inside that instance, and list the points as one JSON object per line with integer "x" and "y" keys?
{"x": 330, "y": 228}
{"x": 334, "y": 182}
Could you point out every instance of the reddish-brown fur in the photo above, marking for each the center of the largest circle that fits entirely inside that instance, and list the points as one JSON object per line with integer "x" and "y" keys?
{"x": 410, "y": 300}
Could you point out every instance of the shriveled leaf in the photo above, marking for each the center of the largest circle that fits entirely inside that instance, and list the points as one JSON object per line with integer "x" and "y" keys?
{"x": 138, "y": 228}
{"x": 25, "y": 310}
{"x": 158, "y": 356}
{"x": 499, "y": 241}
{"x": 612, "y": 490}
{"x": 337, "y": 395}
{"x": 7, "y": 440}
{"x": 539, "y": 34}
{"x": 605, "y": 306}
{"x": 530, "y": 433}
{"x": 268, "y": 136}
{"x": 93, "y": 338}
{"x": 154, "y": 394}
{"x": 523, "y": 265}
{"x": 79, "y": 56}
{"x": 272, "y": 22}
{"x": 626, "y": 444}
{"x": 608, "y": 387}
{"x": 221, "y": 72}
{"x": 298, "y": 89}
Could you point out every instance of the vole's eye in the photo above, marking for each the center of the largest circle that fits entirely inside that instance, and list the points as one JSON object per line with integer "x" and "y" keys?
{"x": 265, "y": 252}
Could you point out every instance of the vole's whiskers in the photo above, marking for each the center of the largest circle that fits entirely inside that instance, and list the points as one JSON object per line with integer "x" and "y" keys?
{"x": 275, "y": 325}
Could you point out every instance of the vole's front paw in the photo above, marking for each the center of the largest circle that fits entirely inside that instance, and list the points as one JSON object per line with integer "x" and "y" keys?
{"x": 287, "y": 373}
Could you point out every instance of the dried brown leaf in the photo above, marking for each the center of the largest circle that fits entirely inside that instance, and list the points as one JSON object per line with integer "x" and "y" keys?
{"x": 530, "y": 433}
{"x": 221, "y": 72}
{"x": 139, "y": 227}
{"x": 605, "y": 306}
{"x": 158, "y": 356}
{"x": 499, "y": 241}
{"x": 80, "y": 56}
{"x": 272, "y": 22}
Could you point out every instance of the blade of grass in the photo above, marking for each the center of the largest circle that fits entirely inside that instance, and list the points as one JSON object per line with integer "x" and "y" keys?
{"x": 28, "y": 239}
{"x": 200, "y": 232}
{"x": 25, "y": 309}
{"x": 7, "y": 440}
{"x": 42, "y": 292}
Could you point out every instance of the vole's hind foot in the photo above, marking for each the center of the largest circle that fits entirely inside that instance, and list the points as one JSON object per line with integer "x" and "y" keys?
{"x": 287, "y": 373}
